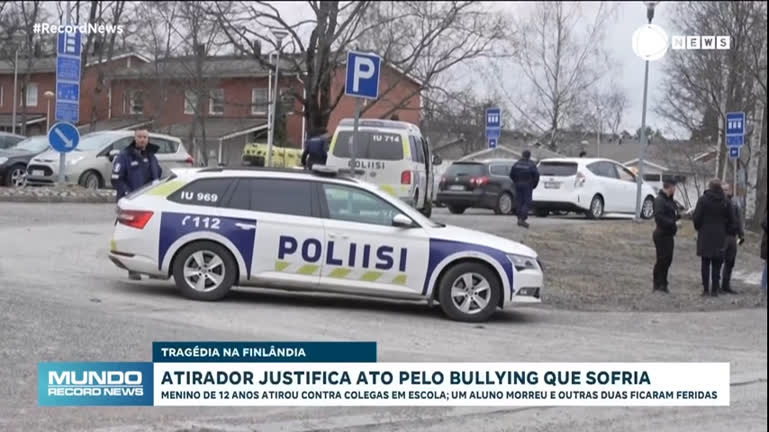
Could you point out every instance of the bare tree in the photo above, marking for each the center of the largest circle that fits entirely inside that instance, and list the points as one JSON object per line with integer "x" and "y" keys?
{"x": 16, "y": 23}
{"x": 99, "y": 49}
{"x": 426, "y": 40}
{"x": 559, "y": 64}
{"x": 700, "y": 89}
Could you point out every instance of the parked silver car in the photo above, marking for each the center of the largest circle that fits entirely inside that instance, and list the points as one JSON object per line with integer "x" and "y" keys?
{"x": 90, "y": 165}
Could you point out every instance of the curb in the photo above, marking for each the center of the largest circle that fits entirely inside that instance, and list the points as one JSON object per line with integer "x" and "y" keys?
{"x": 58, "y": 195}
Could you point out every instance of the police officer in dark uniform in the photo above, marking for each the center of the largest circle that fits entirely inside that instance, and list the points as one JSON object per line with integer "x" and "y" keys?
{"x": 525, "y": 177}
{"x": 315, "y": 150}
{"x": 136, "y": 166}
{"x": 735, "y": 235}
{"x": 666, "y": 218}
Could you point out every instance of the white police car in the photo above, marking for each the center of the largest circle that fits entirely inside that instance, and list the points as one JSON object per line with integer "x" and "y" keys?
{"x": 213, "y": 228}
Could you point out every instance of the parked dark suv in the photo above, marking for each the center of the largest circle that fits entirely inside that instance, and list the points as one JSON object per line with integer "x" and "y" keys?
{"x": 478, "y": 184}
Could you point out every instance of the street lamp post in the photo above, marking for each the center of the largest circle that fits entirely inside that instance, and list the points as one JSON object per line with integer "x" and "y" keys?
{"x": 48, "y": 95}
{"x": 15, "y": 89}
{"x": 279, "y": 35}
{"x": 639, "y": 180}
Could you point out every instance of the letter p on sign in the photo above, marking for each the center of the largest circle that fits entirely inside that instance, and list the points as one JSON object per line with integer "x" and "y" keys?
{"x": 362, "y": 75}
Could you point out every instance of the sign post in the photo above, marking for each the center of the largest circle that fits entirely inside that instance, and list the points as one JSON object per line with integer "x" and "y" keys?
{"x": 362, "y": 82}
{"x": 735, "y": 138}
{"x": 493, "y": 126}
{"x": 67, "y": 106}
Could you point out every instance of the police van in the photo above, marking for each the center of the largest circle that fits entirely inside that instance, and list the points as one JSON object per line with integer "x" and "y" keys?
{"x": 214, "y": 228}
{"x": 390, "y": 154}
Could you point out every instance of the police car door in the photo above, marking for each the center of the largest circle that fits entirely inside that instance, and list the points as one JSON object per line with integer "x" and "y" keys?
{"x": 288, "y": 243}
{"x": 364, "y": 252}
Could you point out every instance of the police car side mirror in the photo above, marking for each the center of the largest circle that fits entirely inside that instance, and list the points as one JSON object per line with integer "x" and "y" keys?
{"x": 437, "y": 160}
{"x": 402, "y": 221}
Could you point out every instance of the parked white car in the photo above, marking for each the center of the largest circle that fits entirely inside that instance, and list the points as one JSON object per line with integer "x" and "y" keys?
{"x": 594, "y": 187}
{"x": 90, "y": 165}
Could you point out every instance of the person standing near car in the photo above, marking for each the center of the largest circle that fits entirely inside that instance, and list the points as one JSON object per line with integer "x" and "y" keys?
{"x": 315, "y": 150}
{"x": 666, "y": 217}
{"x": 712, "y": 219}
{"x": 134, "y": 167}
{"x": 525, "y": 177}
{"x": 735, "y": 236}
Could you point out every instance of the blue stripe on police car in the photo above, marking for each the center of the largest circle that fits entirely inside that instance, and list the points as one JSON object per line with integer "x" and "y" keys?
{"x": 241, "y": 232}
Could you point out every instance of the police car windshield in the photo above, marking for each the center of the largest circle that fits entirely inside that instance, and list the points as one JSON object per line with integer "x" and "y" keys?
{"x": 94, "y": 141}
{"x": 370, "y": 145}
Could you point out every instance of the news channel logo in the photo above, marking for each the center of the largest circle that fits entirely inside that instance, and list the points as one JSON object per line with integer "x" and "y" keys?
{"x": 651, "y": 42}
{"x": 95, "y": 384}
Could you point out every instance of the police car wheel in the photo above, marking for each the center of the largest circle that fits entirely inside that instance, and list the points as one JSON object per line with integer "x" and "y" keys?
{"x": 90, "y": 180}
{"x": 469, "y": 292}
{"x": 204, "y": 271}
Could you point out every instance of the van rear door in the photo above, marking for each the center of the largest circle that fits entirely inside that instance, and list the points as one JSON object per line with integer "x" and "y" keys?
{"x": 382, "y": 155}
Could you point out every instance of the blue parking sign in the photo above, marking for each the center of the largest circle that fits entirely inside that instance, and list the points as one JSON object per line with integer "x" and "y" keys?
{"x": 67, "y": 92}
{"x": 68, "y": 69}
{"x": 493, "y": 118}
{"x": 68, "y": 112}
{"x": 69, "y": 44}
{"x": 362, "y": 75}
{"x": 735, "y": 123}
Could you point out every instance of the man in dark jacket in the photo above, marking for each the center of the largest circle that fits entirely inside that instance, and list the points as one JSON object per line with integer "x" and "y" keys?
{"x": 136, "y": 166}
{"x": 525, "y": 176}
{"x": 735, "y": 235}
{"x": 315, "y": 150}
{"x": 712, "y": 219}
{"x": 666, "y": 217}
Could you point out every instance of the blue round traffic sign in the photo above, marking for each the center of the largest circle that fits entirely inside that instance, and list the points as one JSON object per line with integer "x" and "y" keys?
{"x": 63, "y": 137}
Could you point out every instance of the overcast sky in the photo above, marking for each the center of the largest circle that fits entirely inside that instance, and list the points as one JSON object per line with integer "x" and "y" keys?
{"x": 630, "y": 16}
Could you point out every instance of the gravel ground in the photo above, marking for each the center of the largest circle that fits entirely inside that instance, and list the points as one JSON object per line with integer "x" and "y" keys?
{"x": 607, "y": 266}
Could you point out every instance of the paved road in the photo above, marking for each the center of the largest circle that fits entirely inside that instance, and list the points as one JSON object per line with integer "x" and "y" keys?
{"x": 54, "y": 309}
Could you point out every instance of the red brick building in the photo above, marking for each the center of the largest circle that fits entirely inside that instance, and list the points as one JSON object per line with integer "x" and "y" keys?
{"x": 94, "y": 98}
{"x": 230, "y": 100}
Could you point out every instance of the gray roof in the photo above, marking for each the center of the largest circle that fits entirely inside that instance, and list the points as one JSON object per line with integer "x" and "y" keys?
{"x": 6, "y": 120}
{"x": 215, "y": 67}
{"x": 120, "y": 123}
{"x": 216, "y": 128}
{"x": 39, "y": 65}
{"x": 48, "y": 64}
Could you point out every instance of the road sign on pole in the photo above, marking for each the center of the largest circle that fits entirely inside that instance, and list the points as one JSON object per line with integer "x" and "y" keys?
{"x": 68, "y": 64}
{"x": 492, "y": 143}
{"x": 735, "y": 123}
{"x": 362, "y": 82}
{"x": 735, "y": 141}
{"x": 493, "y": 122}
{"x": 734, "y": 152}
{"x": 63, "y": 137}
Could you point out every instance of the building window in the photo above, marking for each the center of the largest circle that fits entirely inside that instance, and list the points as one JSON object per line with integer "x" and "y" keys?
{"x": 31, "y": 96}
{"x": 259, "y": 101}
{"x": 217, "y": 102}
{"x": 135, "y": 102}
{"x": 190, "y": 102}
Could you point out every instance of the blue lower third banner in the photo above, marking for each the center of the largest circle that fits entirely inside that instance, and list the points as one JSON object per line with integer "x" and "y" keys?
{"x": 348, "y": 374}
{"x": 95, "y": 384}
{"x": 276, "y": 352}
